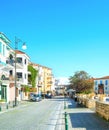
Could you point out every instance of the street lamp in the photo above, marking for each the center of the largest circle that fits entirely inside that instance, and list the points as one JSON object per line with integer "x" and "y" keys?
{"x": 16, "y": 48}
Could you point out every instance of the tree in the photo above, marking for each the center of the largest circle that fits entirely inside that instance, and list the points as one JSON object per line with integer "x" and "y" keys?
{"x": 81, "y": 81}
{"x": 32, "y": 78}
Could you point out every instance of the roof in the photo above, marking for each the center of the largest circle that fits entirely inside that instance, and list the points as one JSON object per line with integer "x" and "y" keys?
{"x": 35, "y": 64}
{"x": 19, "y": 52}
{"x": 105, "y": 77}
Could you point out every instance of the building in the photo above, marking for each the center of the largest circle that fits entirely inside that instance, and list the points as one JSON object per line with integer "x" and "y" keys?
{"x": 22, "y": 73}
{"x": 101, "y": 85}
{"x": 14, "y": 73}
{"x": 7, "y": 54}
{"x": 60, "y": 85}
{"x": 44, "y": 80}
{"x": 7, "y": 71}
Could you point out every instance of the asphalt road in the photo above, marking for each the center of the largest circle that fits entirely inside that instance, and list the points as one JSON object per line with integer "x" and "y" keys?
{"x": 33, "y": 116}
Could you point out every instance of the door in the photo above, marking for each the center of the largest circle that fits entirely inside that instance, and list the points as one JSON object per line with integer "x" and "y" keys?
{"x": 4, "y": 92}
{"x": 101, "y": 89}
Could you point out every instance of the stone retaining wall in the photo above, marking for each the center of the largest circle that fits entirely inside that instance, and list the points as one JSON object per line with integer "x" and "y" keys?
{"x": 102, "y": 109}
{"x": 89, "y": 103}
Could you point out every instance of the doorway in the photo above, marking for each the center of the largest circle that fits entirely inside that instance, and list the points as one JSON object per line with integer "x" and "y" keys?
{"x": 4, "y": 92}
{"x": 101, "y": 89}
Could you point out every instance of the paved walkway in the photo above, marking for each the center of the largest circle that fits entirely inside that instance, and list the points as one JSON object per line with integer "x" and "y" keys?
{"x": 80, "y": 118}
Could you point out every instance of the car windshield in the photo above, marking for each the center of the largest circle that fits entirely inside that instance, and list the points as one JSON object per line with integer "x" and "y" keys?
{"x": 36, "y": 95}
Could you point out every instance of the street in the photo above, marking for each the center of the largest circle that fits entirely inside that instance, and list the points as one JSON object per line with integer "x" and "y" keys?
{"x": 33, "y": 116}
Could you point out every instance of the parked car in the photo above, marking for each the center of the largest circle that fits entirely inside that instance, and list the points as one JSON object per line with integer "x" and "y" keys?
{"x": 35, "y": 97}
{"x": 48, "y": 95}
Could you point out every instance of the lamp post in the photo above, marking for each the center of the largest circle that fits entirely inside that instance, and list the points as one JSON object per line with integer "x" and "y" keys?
{"x": 16, "y": 47}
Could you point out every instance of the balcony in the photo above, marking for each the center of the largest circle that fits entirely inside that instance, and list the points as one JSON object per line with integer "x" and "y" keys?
{"x": 9, "y": 65}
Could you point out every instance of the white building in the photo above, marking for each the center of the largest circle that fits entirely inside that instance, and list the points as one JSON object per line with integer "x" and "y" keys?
{"x": 22, "y": 72}
{"x": 6, "y": 69}
{"x": 101, "y": 85}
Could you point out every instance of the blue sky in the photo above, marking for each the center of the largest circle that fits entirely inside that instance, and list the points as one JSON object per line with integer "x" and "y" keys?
{"x": 65, "y": 35}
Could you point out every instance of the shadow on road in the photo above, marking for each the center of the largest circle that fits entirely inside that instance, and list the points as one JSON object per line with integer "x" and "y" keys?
{"x": 89, "y": 121}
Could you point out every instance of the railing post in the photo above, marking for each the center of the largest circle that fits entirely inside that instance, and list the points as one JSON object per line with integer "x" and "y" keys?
{"x": 66, "y": 121}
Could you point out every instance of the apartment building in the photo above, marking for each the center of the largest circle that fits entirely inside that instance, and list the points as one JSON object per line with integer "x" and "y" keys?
{"x": 48, "y": 79}
{"x": 44, "y": 80}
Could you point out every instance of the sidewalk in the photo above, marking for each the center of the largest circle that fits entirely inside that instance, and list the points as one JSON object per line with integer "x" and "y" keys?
{"x": 81, "y": 118}
{"x": 4, "y": 107}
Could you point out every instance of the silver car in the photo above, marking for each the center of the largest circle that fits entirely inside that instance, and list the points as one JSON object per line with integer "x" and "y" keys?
{"x": 35, "y": 97}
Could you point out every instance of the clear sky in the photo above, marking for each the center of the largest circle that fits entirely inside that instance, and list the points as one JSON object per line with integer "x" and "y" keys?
{"x": 65, "y": 35}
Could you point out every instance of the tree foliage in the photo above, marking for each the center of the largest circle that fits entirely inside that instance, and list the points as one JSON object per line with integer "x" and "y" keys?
{"x": 32, "y": 78}
{"x": 81, "y": 81}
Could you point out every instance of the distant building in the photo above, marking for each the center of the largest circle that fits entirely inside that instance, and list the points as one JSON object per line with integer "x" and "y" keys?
{"x": 60, "y": 85}
{"x": 101, "y": 85}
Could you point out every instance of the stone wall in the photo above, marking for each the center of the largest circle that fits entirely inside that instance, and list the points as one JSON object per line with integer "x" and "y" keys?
{"x": 89, "y": 103}
{"x": 102, "y": 108}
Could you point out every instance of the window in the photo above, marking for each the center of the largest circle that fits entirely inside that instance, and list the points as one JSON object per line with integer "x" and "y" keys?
{"x": 25, "y": 61}
{"x": 100, "y": 81}
{"x": 19, "y": 60}
{"x": 19, "y": 75}
{"x": 95, "y": 88}
{"x": 106, "y": 82}
{"x": 105, "y": 88}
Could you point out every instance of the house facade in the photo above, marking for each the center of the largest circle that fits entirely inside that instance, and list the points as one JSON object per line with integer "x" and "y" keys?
{"x": 101, "y": 85}
{"x": 7, "y": 90}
